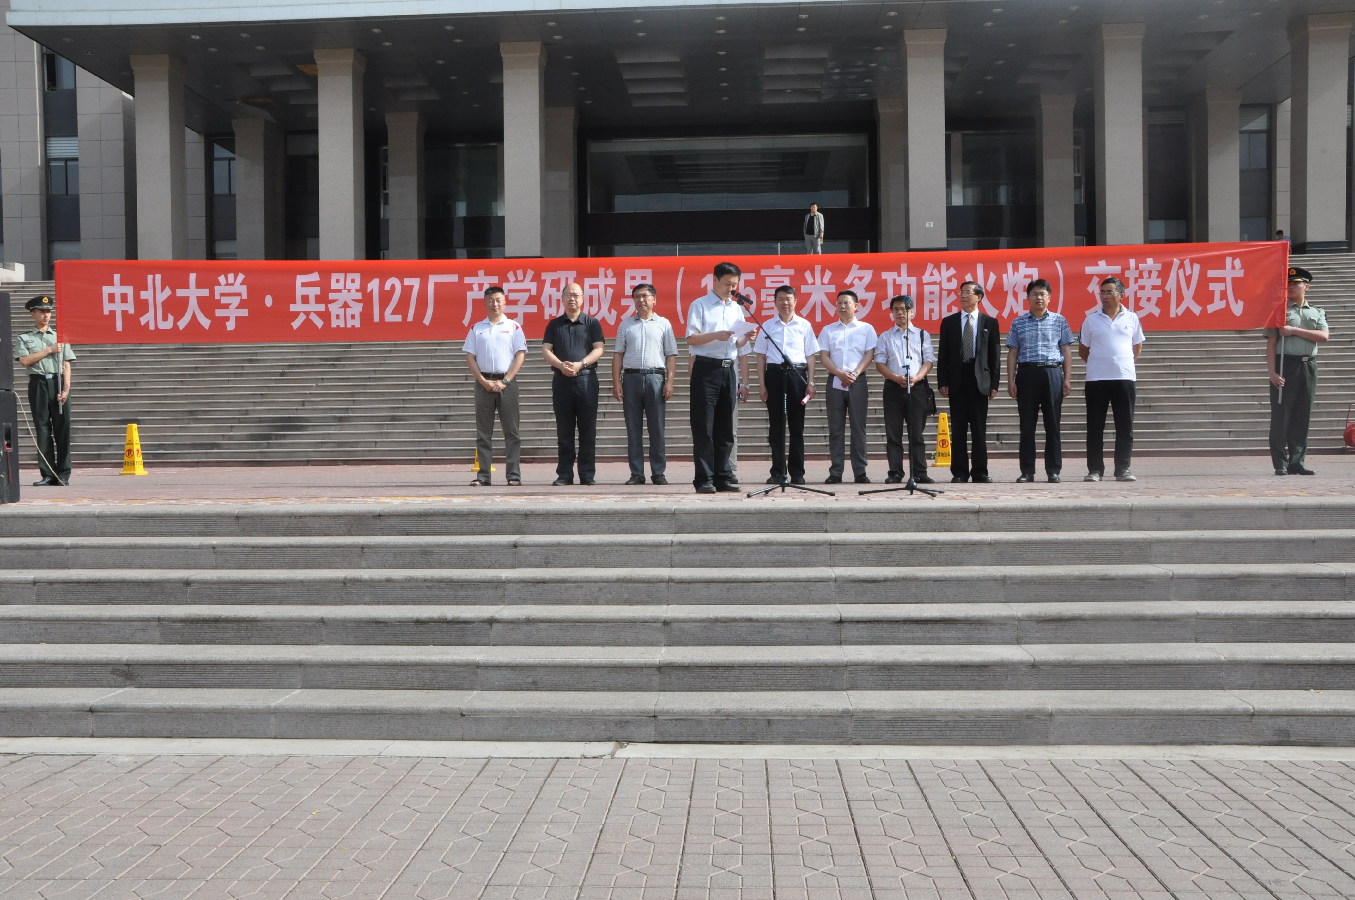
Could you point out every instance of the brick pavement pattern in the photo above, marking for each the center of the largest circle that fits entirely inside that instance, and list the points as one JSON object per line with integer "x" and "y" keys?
{"x": 121, "y": 826}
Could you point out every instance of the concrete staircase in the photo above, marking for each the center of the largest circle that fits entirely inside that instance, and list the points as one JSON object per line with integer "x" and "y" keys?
{"x": 337, "y": 403}
{"x": 1146, "y": 621}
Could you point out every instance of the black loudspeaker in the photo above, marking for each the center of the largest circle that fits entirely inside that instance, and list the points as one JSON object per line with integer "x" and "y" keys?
{"x": 6, "y": 343}
{"x": 9, "y": 447}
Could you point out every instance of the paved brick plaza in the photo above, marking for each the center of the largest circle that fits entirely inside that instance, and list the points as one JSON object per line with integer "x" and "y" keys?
{"x": 207, "y": 826}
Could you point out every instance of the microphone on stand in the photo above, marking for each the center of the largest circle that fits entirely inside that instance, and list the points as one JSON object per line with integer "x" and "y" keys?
{"x": 743, "y": 300}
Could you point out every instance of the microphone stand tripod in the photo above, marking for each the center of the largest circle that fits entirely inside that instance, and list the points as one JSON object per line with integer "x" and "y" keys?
{"x": 786, "y": 371}
{"x": 910, "y": 485}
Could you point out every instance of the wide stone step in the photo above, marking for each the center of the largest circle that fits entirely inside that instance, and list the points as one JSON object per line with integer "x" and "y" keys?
{"x": 703, "y": 585}
{"x": 911, "y": 667}
{"x": 516, "y": 514}
{"x": 1229, "y": 716}
{"x": 663, "y": 551}
{"x": 685, "y": 626}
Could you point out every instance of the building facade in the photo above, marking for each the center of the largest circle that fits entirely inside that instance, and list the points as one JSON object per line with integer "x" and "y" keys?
{"x": 396, "y": 129}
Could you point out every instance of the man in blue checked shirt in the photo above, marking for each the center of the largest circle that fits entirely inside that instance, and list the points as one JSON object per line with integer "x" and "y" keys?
{"x": 1039, "y": 376}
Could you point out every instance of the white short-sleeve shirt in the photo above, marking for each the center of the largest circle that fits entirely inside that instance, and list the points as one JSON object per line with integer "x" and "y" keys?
{"x": 795, "y": 337}
{"x": 495, "y": 344}
{"x": 847, "y": 345}
{"x": 1110, "y": 345}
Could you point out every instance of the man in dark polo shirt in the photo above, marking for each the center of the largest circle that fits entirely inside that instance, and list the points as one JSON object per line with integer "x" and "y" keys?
{"x": 573, "y": 344}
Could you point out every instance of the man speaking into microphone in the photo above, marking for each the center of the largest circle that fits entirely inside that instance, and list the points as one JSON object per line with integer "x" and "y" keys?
{"x": 717, "y": 339}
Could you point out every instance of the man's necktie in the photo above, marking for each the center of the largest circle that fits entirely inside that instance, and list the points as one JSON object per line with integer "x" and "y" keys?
{"x": 968, "y": 339}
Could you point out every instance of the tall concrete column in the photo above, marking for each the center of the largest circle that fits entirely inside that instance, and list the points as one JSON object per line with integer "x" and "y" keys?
{"x": 524, "y": 67}
{"x": 259, "y": 162}
{"x": 892, "y": 175}
{"x": 560, "y": 193}
{"x": 925, "y": 113}
{"x": 1118, "y": 92}
{"x": 1218, "y": 185}
{"x": 1281, "y": 199}
{"x": 1320, "y": 80}
{"x": 195, "y": 194}
{"x": 339, "y": 89}
{"x": 1057, "y": 225}
{"x": 405, "y": 185}
{"x": 105, "y": 177}
{"x": 161, "y": 181}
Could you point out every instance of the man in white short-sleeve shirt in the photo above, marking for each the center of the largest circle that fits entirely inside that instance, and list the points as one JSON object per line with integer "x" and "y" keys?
{"x": 1110, "y": 343}
{"x": 495, "y": 350}
{"x": 847, "y": 350}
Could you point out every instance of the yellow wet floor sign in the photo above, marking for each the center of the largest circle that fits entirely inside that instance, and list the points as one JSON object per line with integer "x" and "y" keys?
{"x": 943, "y": 439}
{"x": 131, "y": 455}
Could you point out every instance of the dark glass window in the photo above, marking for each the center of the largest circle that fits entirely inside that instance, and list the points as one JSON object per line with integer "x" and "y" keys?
{"x": 223, "y": 166}
{"x": 991, "y": 190}
{"x": 63, "y": 177}
{"x": 720, "y": 173}
{"x": 761, "y": 185}
{"x": 58, "y": 73}
{"x": 1254, "y": 161}
{"x": 463, "y": 219}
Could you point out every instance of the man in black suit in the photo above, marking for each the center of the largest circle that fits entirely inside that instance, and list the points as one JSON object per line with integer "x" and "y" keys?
{"x": 967, "y": 365}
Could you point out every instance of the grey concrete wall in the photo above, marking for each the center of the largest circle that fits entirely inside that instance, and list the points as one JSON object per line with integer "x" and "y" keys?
{"x": 22, "y": 178}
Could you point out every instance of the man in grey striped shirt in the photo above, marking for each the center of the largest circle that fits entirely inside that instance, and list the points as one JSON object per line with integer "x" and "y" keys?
{"x": 643, "y": 368}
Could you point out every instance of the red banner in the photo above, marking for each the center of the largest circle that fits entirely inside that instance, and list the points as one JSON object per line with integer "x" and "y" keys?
{"x": 1173, "y": 287}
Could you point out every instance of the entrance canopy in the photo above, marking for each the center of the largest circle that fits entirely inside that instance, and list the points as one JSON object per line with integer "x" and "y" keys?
{"x": 677, "y": 64}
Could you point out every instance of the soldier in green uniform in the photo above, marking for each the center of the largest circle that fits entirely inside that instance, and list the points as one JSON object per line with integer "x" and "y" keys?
{"x": 48, "y": 362}
{"x": 1291, "y": 355}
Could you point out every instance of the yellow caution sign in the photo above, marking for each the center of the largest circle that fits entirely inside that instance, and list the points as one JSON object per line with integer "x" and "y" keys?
{"x": 475, "y": 464}
{"x": 131, "y": 457}
{"x": 943, "y": 439}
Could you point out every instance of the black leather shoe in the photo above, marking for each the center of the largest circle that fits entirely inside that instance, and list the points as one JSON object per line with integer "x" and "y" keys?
{"x": 587, "y": 481}
{"x": 1025, "y": 479}
{"x": 561, "y": 482}
{"x": 1054, "y": 478}
{"x": 797, "y": 479}
{"x": 773, "y": 479}
{"x": 658, "y": 479}
{"x": 480, "y": 482}
{"x": 924, "y": 479}
{"x": 862, "y": 479}
{"x": 833, "y": 479}
{"x": 635, "y": 479}
{"x": 894, "y": 479}
{"x": 983, "y": 479}
{"x": 728, "y": 487}
{"x": 1281, "y": 472}
{"x": 44, "y": 482}
{"x": 1300, "y": 470}
{"x": 706, "y": 488}
{"x": 958, "y": 479}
